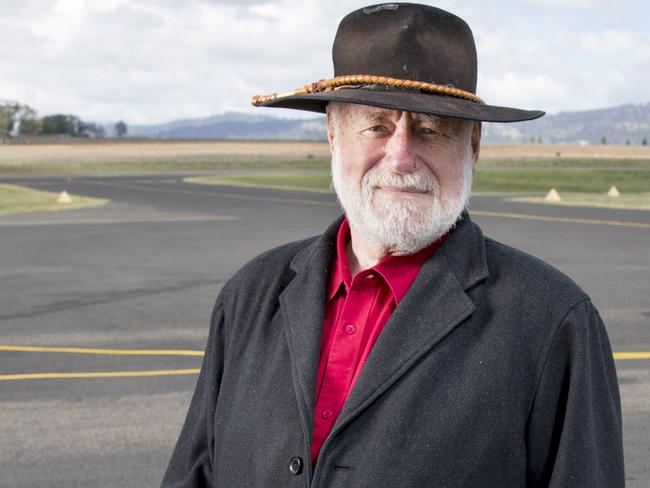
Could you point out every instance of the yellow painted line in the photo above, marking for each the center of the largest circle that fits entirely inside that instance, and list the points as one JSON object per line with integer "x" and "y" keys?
{"x": 106, "y": 374}
{"x": 632, "y": 355}
{"x": 112, "y": 352}
{"x": 162, "y": 182}
{"x": 508, "y": 215}
{"x": 571, "y": 220}
{"x": 102, "y": 221}
{"x": 163, "y": 372}
{"x": 216, "y": 194}
{"x": 189, "y": 352}
{"x": 241, "y": 184}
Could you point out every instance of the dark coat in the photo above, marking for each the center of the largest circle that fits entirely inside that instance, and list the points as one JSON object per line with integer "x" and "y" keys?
{"x": 494, "y": 371}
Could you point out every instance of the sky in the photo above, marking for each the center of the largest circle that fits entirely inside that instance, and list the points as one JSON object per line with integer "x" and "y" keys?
{"x": 153, "y": 61}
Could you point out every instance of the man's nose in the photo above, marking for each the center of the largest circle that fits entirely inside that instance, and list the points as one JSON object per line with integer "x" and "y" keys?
{"x": 400, "y": 150}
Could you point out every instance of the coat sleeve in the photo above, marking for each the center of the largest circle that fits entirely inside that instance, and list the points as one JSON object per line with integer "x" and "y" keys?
{"x": 191, "y": 462}
{"x": 574, "y": 435}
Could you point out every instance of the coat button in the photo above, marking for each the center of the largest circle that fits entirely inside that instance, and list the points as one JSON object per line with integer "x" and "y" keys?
{"x": 295, "y": 466}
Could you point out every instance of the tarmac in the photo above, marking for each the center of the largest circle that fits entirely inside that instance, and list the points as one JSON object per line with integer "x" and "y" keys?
{"x": 104, "y": 312}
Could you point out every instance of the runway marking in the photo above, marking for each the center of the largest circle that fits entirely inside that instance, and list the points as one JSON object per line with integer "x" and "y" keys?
{"x": 632, "y": 355}
{"x": 141, "y": 220}
{"x": 216, "y": 194}
{"x": 191, "y": 352}
{"x": 511, "y": 215}
{"x": 99, "y": 374}
{"x": 180, "y": 372}
{"x": 111, "y": 352}
{"x": 571, "y": 220}
{"x": 152, "y": 352}
{"x": 161, "y": 181}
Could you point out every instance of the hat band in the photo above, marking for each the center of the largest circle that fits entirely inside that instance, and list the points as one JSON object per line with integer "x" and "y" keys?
{"x": 352, "y": 81}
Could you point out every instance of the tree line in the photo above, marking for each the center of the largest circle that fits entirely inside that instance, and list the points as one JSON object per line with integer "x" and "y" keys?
{"x": 22, "y": 120}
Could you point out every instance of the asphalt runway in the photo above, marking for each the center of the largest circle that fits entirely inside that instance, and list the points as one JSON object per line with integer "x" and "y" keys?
{"x": 104, "y": 312}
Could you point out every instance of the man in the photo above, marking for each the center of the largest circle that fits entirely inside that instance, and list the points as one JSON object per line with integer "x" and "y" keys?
{"x": 402, "y": 348}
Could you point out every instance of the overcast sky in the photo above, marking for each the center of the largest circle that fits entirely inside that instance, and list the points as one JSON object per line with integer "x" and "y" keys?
{"x": 152, "y": 61}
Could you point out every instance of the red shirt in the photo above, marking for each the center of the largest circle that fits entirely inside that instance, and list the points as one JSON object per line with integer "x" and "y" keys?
{"x": 356, "y": 311}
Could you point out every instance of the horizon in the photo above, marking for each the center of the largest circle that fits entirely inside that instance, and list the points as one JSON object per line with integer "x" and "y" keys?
{"x": 300, "y": 115}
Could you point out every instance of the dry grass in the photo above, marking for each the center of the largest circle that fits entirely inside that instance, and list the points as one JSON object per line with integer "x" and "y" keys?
{"x": 113, "y": 156}
{"x": 98, "y": 152}
{"x": 19, "y": 199}
{"x": 635, "y": 201}
{"x": 161, "y": 151}
{"x": 544, "y": 151}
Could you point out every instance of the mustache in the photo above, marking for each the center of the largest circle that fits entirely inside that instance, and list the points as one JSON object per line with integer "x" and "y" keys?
{"x": 418, "y": 181}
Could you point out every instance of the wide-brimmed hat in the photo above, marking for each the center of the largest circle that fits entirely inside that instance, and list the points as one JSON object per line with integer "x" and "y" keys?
{"x": 402, "y": 56}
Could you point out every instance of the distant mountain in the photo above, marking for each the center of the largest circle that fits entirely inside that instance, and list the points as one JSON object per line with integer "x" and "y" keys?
{"x": 617, "y": 125}
{"x": 233, "y": 125}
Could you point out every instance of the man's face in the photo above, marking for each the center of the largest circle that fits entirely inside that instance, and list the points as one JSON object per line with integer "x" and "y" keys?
{"x": 402, "y": 178}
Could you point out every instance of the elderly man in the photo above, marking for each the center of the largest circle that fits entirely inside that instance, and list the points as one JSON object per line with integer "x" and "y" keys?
{"x": 402, "y": 348}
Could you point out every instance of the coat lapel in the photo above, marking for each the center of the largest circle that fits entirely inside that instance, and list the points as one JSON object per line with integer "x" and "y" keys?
{"x": 435, "y": 304}
{"x": 302, "y": 305}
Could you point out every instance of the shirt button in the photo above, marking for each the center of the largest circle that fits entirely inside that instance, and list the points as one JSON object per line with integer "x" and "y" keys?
{"x": 326, "y": 414}
{"x": 295, "y": 466}
{"x": 370, "y": 276}
{"x": 350, "y": 329}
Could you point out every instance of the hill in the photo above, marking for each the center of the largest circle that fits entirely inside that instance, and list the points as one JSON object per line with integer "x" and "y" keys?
{"x": 616, "y": 125}
{"x": 234, "y": 125}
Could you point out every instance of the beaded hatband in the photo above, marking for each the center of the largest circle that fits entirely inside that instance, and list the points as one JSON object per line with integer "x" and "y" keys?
{"x": 352, "y": 81}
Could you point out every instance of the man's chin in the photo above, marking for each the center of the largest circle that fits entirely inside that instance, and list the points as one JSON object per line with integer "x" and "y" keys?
{"x": 394, "y": 209}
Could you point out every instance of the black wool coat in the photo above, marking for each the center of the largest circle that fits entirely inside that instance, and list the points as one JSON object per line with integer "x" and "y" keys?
{"x": 495, "y": 370}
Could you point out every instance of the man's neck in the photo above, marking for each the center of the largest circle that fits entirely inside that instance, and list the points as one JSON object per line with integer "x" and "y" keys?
{"x": 363, "y": 254}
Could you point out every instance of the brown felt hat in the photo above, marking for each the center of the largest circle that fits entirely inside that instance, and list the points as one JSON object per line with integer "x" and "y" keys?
{"x": 402, "y": 56}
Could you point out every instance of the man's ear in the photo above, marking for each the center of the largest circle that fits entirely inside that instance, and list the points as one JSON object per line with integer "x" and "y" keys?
{"x": 330, "y": 126}
{"x": 476, "y": 142}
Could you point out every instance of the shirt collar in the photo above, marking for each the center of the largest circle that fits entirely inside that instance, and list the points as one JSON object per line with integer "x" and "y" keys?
{"x": 398, "y": 271}
{"x": 341, "y": 275}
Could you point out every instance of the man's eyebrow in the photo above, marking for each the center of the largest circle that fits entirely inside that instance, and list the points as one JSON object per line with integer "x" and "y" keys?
{"x": 433, "y": 118}
{"x": 377, "y": 115}
{"x": 450, "y": 123}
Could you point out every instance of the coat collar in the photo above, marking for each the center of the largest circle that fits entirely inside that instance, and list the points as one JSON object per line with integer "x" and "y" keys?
{"x": 435, "y": 304}
{"x": 321, "y": 248}
{"x": 465, "y": 253}
{"x": 464, "y": 249}
{"x": 302, "y": 305}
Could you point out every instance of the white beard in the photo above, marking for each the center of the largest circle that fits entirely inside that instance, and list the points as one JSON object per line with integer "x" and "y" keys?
{"x": 400, "y": 226}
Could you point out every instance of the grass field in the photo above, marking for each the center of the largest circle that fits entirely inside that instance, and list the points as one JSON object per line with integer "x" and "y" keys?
{"x": 503, "y": 168}
{"x": 169, "y": 156}
{"x": 18, "y": 199}
{"x": 486, "y": 181}
{"x": 159, "y": 156}
{"x": 636, "y": 201}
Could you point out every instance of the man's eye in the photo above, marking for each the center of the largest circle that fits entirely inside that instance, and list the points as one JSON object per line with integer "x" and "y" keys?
{"x": 428, "y": 131}
{"x": 377, "y": 128}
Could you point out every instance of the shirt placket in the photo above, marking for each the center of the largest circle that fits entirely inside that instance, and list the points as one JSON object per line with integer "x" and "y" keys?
{"x": 345, "y": 351}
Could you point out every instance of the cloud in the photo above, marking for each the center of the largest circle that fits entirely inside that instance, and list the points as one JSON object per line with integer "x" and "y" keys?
{"x": 529, "y": 91}
{"x": 614, "y": 43}
{"x": 566, "y": 3}
{"x": 148, "y": 61}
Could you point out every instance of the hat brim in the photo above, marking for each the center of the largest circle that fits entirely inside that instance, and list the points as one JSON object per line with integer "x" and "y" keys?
{"x": 409, "y": 101}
